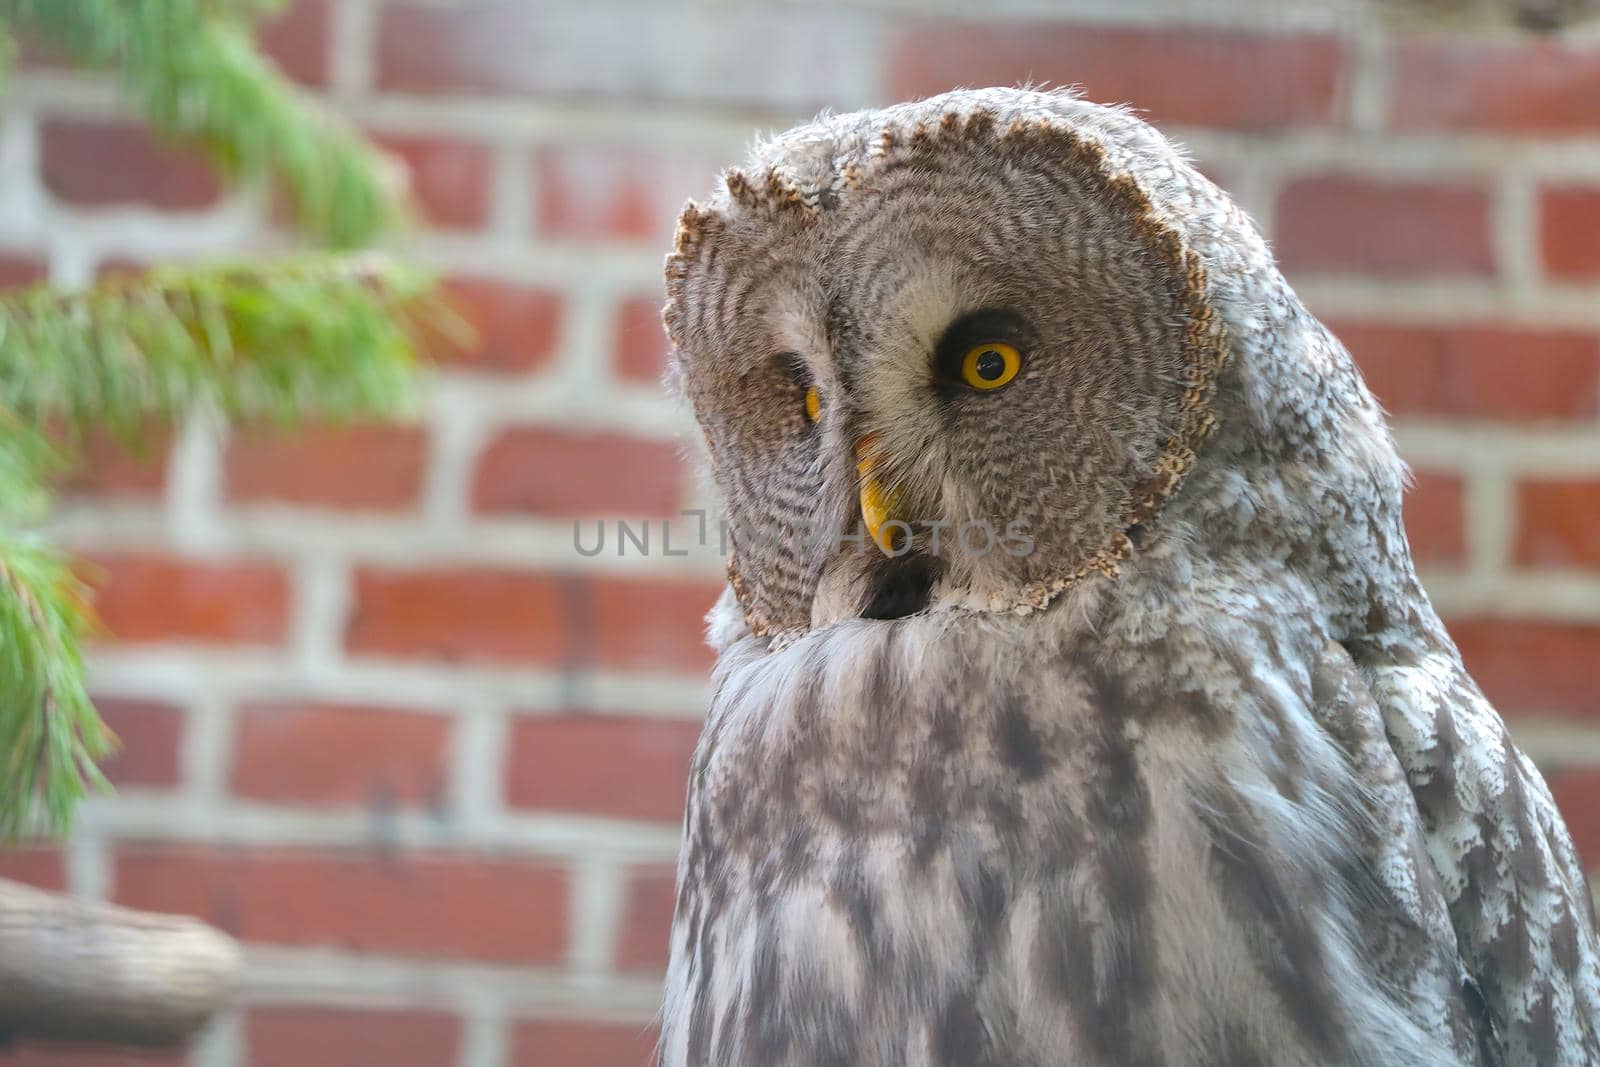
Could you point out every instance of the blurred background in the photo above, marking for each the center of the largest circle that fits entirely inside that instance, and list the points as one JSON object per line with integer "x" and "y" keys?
{"x": 385, "y": 724}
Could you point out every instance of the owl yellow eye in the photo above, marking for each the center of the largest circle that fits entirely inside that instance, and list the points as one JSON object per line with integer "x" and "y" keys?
{"x": 813, "y": 404}
{"x": 991, "y": 365}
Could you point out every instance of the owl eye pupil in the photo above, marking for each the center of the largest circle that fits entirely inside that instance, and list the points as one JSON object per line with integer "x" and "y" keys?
{"x": 991, "y": 365}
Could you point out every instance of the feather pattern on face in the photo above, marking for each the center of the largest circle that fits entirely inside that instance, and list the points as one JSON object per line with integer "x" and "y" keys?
{"x": 1145, "y": 746}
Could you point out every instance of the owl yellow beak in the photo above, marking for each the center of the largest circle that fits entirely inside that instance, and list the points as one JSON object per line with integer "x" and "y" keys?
{"x": 879, "y": 506}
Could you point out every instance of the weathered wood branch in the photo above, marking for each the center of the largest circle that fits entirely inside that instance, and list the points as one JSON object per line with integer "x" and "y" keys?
{"x": 81, "y": 972}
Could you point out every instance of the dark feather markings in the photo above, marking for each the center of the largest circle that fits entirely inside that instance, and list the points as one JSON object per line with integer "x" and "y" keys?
{"x": 960, "y": 1039}
{"x": 852, "y": 893}
{"x": 1104, "y": 967}
{"x": 700, "y": 1021}
{"x": 1272, "y": 919}
{"x": 1016, "y": 739}
{"x": 767, "y": 1032}
{"x": 1232, "y": 1046}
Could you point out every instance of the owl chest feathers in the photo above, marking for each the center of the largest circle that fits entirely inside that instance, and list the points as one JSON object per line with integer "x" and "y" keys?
{"x": 951, "y": 840}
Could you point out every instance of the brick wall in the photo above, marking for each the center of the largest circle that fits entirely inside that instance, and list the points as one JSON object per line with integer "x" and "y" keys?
{"x": 386, "y": 725}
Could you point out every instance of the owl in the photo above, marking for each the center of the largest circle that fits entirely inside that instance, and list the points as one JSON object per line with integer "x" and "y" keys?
{"x": 1076, "y": 699}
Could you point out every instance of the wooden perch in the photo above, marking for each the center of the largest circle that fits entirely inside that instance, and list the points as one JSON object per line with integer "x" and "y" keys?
{"x": 74, "y": 971}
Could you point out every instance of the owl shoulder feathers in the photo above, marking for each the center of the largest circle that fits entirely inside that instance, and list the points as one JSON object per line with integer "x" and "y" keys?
{"x": 1504, "y": 862}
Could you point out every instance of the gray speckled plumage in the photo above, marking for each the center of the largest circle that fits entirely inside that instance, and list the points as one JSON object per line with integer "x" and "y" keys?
{"x": 1199, "y": 781}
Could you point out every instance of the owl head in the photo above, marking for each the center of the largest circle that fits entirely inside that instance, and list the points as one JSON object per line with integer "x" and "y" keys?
{"x": 957, "y": 355}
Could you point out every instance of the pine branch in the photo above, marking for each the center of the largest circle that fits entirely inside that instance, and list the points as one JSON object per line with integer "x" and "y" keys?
{"x": 27, "y": 461}
{"x": 194, "y": 69}
{"x": 331, "y": 337}
{"x": 50, "y": 735}
{"x": 327, "y": 337}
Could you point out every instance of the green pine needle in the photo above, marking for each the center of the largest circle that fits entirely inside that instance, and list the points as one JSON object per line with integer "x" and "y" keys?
{"x": 192, "y": 66}
{"x": 50, "y": 734}
{"x": 27, "y": 461}
{"x": 327, "y": 336}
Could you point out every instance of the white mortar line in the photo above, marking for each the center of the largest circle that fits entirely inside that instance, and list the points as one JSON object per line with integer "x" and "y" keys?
{"x": 1457, "y": 444}
{"x": 1554, "y": 597}
{"x": 478, "y": 752}
{"x": 88, "y": 865}
{"x": 194, "y": 486}
{"x": 513, "y": 192}
{"x": 1369, "y": 76}
{"x": 1514, "y": 233}
{"x": 553, "y": 837}
{"x": 321, "y": 595}
{"x": 22, "y": 201}
{"x": 1489, "y": 515}
{"x": 178, "y": 673}
{"x": 485, "y": 1035}
{"x": 318, "y": 976}
{"x": 221, "y": 1043}
{"x": 1556, "y": 742}
{"x": 352, "y": 47}
{"x": 596, "y": 900}
{"x": 205, "y": 755}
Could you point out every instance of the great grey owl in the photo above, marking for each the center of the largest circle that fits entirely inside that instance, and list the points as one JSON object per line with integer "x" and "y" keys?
{"x": 1124, "y": 734}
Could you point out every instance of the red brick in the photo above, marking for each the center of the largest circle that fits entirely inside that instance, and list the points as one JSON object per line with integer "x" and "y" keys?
{"x": 40, "y": 867}
{"x": 334, "y": 754}
{"x": 645, "y": 936}
{"x": 450, "y": 179}
{"x": 608, "y": 192}
{"x": 1434, "y": 519}
{"x": 1184, "y": 74}
{"x": 144, "y": 598}
{"x": 97, "y": 164}
{"x": 149, "y": 734}
{"x": 1577, "y": 793}
{"x": 1391, "y": 228}
{"x": 1558, "y": 523}
{"x": 23, "y": 268}
{"x": 52, "y": 1055}
{"x": 369, "y": 467}
{"x": 464, "y": 615}
{"x": 1533, "y": 666}
{"x": 516, "y": 327}
{"x": 578, "y": 473}
{"x": 1569, "y": 231}
{"x": 422, "y": 904}
{"x": 560, "y": 1043}
{"x": 1487, "y": 372}
{"x": 502, "y": 616}
{"x": 651, "y": 624}
{"x": 642, "y": 346}
{"x": 463, "y": 50}
{"x": 298, "y": 41}
{"x": 1514, "y": 87}
{"x": 568, "y": 763}
{"x": 795, "y": 59}
{"x": 298, "y": 1036}
{"x": 104, "y": 466}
